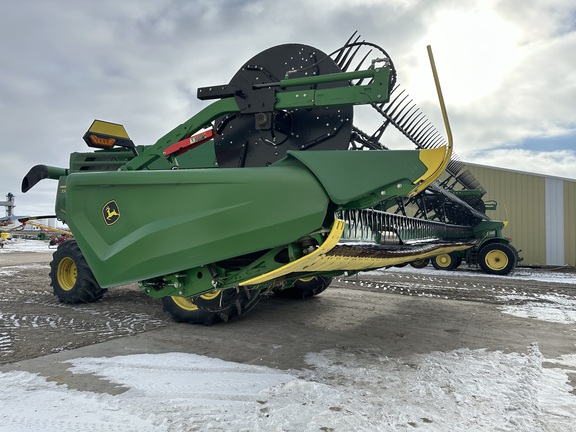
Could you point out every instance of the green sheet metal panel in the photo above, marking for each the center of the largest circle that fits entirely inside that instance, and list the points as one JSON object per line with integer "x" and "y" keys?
{"x": 136, "y": 225}
{"x": 354, "y": 176}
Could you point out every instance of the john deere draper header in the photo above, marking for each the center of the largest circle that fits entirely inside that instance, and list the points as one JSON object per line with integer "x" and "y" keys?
{"x": 270, "y": 187}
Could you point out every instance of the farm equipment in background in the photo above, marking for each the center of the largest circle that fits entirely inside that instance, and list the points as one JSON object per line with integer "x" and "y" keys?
{"x": 271, "y": 188}
{"x": 458, "y": 200}
{"x": 56, "y": 236}
{"x": 43, "y": 231}
{"x": 455, "y": 199}
{"x": 493, "y": 253}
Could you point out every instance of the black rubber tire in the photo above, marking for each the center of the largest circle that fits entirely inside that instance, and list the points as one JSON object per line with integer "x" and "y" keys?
{"x": 70, "y": 276}
{"x": 497, "y": 258}
{"x": 211, "y": 308}
{"x": 306, "y": 287}
{"x": 421, "y": 263}
{"x": 447, "y": 261}
{"x": 458, "y": 262}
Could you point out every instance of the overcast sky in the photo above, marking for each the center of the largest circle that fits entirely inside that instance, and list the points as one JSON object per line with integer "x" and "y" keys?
{"x": 507, "y": 68}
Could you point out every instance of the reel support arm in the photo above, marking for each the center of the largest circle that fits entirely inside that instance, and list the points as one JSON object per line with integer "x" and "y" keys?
{"x": 377, "y": 91}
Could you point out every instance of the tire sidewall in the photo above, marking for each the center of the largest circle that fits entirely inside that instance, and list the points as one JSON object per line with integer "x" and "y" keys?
{"x": 85, "y": 289}
{"x": 420, "y": 264}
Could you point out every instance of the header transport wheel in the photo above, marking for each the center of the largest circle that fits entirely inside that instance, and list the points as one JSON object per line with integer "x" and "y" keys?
{"x": 447, "y": 261}
{"x": 497, "y": 258}
{"x": 306, "y": 287}
{"x": 70, "y": 276}
{"x": 421, "y": 263}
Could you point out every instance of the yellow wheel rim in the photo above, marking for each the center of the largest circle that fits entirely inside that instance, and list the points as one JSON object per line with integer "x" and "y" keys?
{"x": 444, "y": 260}
{"x": 496, "y": 260}
{"x": 67, "y": 273}
{"x": 307, "y": 279}
{"x": 210, "y": 295}
{"x": 186, "y": 303}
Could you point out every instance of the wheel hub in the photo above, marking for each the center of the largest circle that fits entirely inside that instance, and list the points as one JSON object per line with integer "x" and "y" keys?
{"x": 496, "y": 260}
{"x": 67, "y": 273}
{"x": 444, "y": 260}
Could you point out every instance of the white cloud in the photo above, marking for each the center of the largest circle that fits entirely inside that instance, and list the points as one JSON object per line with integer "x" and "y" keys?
{"x": 475, "y": 46}
{"x": 553, "y": 163}
{"x": 505, "y": 76}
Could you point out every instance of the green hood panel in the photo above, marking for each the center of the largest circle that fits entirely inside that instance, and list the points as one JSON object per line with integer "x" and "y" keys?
{"x": 354, "y": 176}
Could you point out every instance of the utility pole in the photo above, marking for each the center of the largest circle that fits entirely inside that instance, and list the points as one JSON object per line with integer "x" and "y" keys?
{"x": 9, "y": 204}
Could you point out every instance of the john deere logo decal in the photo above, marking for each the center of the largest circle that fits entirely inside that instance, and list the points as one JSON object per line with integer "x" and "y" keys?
{"x": 110, "y": 212}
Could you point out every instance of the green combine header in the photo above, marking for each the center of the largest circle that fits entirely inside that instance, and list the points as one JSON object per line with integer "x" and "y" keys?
{"x": 270, "y": 187}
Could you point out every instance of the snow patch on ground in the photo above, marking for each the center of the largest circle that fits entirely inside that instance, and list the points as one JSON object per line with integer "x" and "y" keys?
{"x": 472, "y": 390}
{"x": 458, "y": 390}
{"x": 26, "y": 245}
{"x": 556, "y": 308}
{"x": 520, "y": 273}
{"x": 553, "y": 307}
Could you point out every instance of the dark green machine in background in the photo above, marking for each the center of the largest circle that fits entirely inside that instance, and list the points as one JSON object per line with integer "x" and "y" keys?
{"x": 269, "y": 188}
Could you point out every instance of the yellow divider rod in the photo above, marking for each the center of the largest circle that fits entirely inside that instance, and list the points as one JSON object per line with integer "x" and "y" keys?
{"x": 449, "y": 147}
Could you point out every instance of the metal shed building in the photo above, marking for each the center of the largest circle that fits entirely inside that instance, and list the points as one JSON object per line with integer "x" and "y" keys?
{"x": 541, "y": 211}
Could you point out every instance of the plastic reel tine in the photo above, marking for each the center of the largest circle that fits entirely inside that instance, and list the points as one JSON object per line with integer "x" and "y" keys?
{"x": 422, "y": 127}
{"x": 347, "y": 65}
{"x": 392, "y": 103}
{"x": 417, "y": 123}
{"x": 349, "y": 47}
{"x": 439, "y": 141}
{"x": 401, "y": 120}
{"x": 341, "y": 51}
{"x": 407, "y": 122}
{"x": 404, "y": 106}
{"x": 426, "y": 135}
{"x": 360, "y": 81}
{"x": 393, "y": 112}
